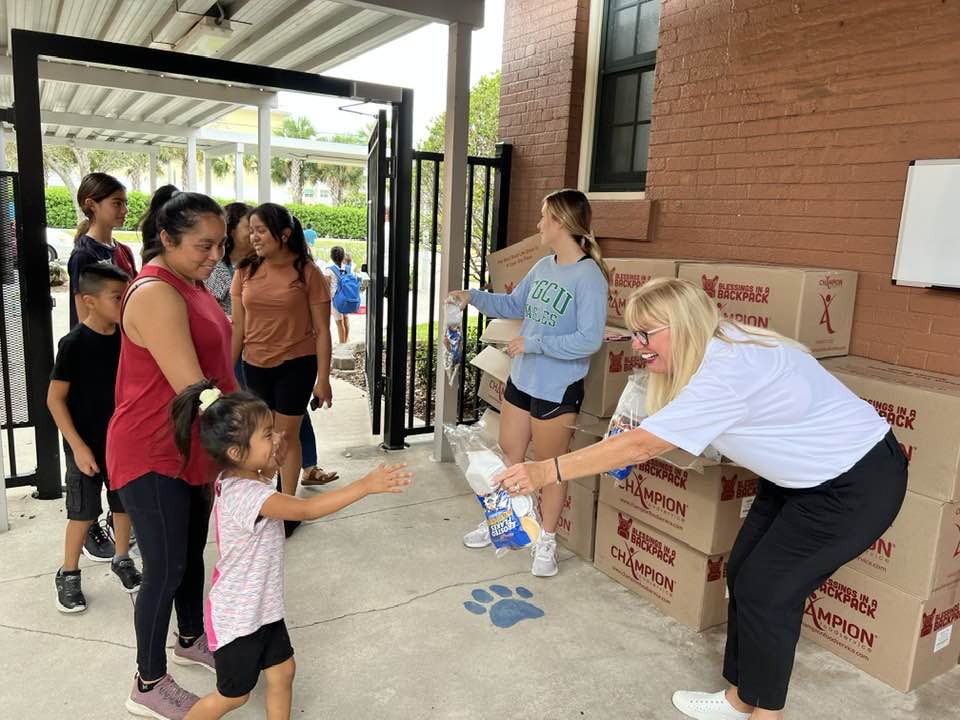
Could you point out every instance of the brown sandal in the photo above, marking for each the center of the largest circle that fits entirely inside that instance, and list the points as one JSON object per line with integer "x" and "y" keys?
{"x": 315, "y": 476}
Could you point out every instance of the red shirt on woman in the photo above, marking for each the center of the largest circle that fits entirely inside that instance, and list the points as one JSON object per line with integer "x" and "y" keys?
{"x": 140, "y": 435}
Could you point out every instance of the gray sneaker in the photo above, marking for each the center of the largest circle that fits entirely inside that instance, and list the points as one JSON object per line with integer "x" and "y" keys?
{"x": 197, "y": 654}
{"x": 166, "y": 701}
{"x": 478, "y": 538}
{"x": 545, "y": 557}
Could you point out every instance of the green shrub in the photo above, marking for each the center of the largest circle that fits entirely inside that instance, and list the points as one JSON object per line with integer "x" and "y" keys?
{"x": 426, "y": 375}
{"x": 345, "y": 222}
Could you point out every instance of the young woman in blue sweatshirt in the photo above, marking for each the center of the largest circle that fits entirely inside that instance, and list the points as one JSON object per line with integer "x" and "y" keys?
{"x": 563, "y": 304}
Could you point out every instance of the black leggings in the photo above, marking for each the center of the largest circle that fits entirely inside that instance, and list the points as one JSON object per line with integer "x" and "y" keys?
{"x": 171, "y": 519}
{"x": 791, "y": 541}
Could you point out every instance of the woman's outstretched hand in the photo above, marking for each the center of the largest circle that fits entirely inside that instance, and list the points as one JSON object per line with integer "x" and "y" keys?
{"x": 523, "y": 479}
{"x": 460, "y": 297}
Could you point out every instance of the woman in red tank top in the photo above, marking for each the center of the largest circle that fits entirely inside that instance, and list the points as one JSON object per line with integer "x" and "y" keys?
{"x": 174, "y": 335}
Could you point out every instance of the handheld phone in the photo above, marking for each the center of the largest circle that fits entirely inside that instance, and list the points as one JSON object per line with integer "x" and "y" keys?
{"x": 314, "y": 402}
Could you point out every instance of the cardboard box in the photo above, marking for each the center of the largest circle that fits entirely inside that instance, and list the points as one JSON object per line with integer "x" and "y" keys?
{"x": 500, "y": 331}
{"x": 610, "y": 367}
{"x": 578, "y": 520}
{"x": 920, "y": 553}
{"x": 896, "y": 637}
{"x": 813, "y": 306}
{"x": 683, "y": 583}
{"x": 495, "y": 367}
{"x": 923, "y": 408}
{"x": 704, "y": 510}
{"x": 508, "y": 267}
{"x": 626, "y": 275}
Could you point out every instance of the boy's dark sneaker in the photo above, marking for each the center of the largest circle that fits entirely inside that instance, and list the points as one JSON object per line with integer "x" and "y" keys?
{"x": 70, "y": 597}
{"x": 98, "y": 546}
{"x": 113, "y": 533}
{"x": 128, "y": 574}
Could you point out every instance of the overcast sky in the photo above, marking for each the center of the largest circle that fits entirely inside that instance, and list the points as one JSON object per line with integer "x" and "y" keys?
{"x": 418, "y": 61}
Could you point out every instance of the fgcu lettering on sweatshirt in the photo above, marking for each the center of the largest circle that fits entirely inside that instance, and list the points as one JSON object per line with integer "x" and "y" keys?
{"x": 564, "y": 309}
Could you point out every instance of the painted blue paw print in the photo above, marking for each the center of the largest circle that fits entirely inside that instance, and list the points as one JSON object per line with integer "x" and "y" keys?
{"x": 507, "y": 611}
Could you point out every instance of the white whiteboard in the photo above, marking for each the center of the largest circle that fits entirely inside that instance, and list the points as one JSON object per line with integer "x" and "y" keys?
{"x": 928, "y": 248}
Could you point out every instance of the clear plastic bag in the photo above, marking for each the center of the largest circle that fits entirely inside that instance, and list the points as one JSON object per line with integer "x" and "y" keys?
{"x": 512, "y": 521}
{"x": 452, "y": 340}
{"x": 630, "y": 412}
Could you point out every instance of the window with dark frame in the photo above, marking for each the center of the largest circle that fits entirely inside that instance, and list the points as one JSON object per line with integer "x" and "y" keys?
{"x": 628, "y": 58}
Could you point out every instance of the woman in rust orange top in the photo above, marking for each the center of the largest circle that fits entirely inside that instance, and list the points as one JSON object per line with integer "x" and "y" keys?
{"x": 281, "y": 323}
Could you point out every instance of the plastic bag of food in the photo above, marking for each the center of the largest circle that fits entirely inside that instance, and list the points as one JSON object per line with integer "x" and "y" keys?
{"x": 512, "y": 521}
{"x": 630, "y": 412}
{"x": 452, "y": 340}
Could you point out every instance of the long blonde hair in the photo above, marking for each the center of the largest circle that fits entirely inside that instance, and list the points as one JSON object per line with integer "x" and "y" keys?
{"x": 572, "y": 210}
{"x": 694, "y": 319}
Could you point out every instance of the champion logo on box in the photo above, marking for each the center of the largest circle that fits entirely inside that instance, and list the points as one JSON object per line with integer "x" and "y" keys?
{"x": 883, "y": 547}
{"x": 641, "y": 571}
{"x": 824, "y": 620}
{"x": 497, "y": 387}
{"x": 621, "y": 362}
{"x": 654, "y": 499}
{"x": 934, "y": 621}
{"x": 831, "y": 281}
{"x": 956, "y": 553}
{"x": 730, "y": 489}
{"x": 825, "y": 318}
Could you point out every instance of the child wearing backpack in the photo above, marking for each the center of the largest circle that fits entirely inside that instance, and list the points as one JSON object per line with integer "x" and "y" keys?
{"x": 344, "y": 291}
{"x": 244, "y": 614}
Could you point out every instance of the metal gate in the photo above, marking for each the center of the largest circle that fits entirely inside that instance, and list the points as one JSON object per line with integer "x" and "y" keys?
{"x": 413, "y": 274}
{"x": 376, "y": 198}
{"x": 16, "y": 409}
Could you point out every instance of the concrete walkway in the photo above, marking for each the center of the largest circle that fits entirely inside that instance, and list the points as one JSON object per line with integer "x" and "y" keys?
{"x": 375, "y": 608}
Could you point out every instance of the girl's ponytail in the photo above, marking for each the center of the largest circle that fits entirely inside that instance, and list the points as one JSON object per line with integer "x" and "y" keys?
{"x": 590, "y": 246}
{"x": 184, "y": 409}
{"x": 571, "y": 208}
{"x": 81, "y": 231}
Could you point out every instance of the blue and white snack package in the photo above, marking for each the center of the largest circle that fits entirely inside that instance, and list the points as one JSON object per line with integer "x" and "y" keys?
{"x": 452, "y": 340}
{"x": 630, "y": 412}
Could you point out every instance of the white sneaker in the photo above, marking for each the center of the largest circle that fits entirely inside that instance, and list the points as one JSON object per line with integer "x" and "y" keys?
{"x": 478, "y": 538}
{"x": 706, "y": 706}
{"x": 545, "y": 557}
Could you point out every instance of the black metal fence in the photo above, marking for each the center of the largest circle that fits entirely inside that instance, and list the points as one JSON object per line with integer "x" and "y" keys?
{"x": 488, "y": 191}
{"x": 16, "y": 412}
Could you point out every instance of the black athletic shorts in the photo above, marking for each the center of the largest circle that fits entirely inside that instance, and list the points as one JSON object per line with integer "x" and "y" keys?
{"x": 286, "y": 388}
{"x": 83, "y": 492}
{"x": 544, "y": 409}
{"x": 240, "y": 661}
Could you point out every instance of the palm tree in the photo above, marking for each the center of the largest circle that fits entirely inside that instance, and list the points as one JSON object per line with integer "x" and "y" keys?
{"x": 293, "y": 170}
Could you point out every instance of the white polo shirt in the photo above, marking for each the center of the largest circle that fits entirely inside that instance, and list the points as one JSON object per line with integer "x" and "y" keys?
{"x": 773, "y": 410}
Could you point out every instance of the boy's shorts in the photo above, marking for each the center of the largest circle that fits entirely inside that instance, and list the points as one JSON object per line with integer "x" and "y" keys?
{"x": 83, "y": 492}
{"x": 240, "y": 661}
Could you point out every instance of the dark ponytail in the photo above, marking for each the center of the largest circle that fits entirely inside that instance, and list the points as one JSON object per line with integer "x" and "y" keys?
{"x": 277, "y": 219}
{"x": 228, "y": 422}
{"x": 177, "y": 215}
{"x": 148, "y": 223}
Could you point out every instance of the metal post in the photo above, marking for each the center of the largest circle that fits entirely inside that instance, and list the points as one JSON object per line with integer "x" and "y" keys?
{"x": 454, "y": 210}
{"x": 190, "y": 182}
{"x": 35, "y": 280}
{"x": 4, "y": 523}
{"x": 238, "y": 173}
{"x": 501, "y": 197}
{"x": 153, "y": 170}
{"x": 399, "y": 273}
{"x": 263, "y": 154}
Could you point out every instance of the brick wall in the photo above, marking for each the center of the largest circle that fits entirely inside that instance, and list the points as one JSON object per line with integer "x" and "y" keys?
{"x": 541, "y": 101}
{"x": 782, "y": 132}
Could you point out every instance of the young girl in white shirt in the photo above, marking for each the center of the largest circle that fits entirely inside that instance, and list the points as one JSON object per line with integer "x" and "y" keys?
{"x": 243, "y": 614}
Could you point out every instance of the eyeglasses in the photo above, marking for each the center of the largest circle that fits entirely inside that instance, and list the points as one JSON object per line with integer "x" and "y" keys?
{"x": 643, "y": 336}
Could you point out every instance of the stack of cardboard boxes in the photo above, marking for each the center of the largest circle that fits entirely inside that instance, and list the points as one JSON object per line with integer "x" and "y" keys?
{"x": 665, "y": 533}
{"x": 894, "y": 611}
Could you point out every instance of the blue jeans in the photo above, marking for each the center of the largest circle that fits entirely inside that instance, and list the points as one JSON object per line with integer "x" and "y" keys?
{"x": 308, "y": 443}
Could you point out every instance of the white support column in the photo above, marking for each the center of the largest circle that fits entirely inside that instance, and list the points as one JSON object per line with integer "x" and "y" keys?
{"x": 190, "y": 182}
{"x": 3, "y": 166}
{"x": 238, "y": 171}
{"x": 153, "y": 170}
{"x": 4, "y": 523}
{"x": 263, "y": 154}
{"x": 454, "y": 211}
{"x": 207, "y": 174}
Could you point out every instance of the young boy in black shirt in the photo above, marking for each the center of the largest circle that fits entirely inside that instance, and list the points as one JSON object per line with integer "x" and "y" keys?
{"x": 81, "y": 400}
